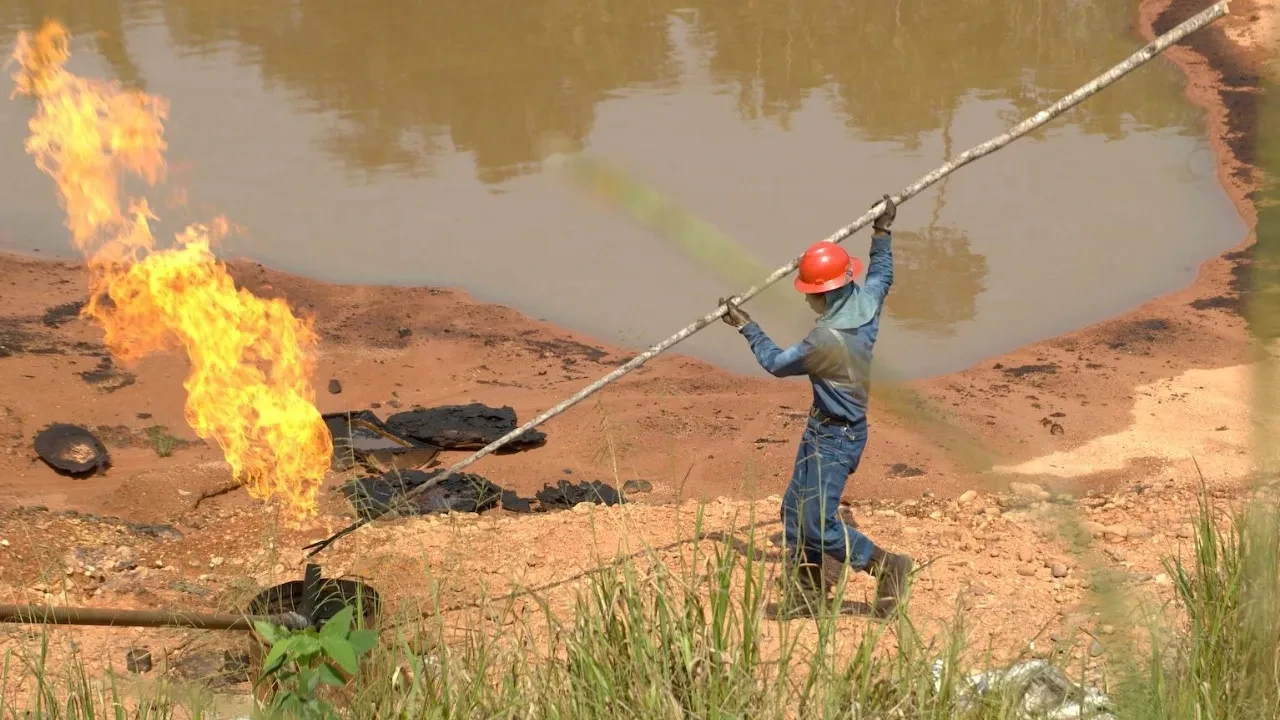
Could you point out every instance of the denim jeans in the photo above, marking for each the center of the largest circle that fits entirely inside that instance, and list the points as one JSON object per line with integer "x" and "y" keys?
{"x": 827, "y": 456}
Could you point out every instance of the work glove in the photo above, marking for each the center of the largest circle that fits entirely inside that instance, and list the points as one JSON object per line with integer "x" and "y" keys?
{"x": 734, "y": 316}
{"x": 881, "y": 224}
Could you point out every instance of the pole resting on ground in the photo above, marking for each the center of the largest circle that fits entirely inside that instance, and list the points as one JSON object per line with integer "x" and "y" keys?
{"x": 1134, "y": 61}
{"x": 46, "y": 615}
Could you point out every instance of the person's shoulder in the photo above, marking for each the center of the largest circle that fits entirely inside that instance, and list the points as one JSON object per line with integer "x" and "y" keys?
{"x": 821, "y": 336}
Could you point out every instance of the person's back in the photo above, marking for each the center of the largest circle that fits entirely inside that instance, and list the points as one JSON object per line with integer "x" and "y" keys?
{"x": 837, "y": 353}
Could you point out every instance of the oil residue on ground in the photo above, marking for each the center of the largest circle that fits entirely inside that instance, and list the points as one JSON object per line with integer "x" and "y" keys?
{"x": 405, "y": 142}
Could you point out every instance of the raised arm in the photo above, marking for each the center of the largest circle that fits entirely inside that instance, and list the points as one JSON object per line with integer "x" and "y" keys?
{"x": 880, "y": 269}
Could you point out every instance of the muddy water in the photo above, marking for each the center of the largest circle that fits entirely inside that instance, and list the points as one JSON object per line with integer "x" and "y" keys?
{"x": 404, "y": 142}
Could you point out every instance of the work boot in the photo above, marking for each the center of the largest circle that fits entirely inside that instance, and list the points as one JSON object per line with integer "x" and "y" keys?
{"x": 803, "y": 591}
{"x": 891, "y": 571}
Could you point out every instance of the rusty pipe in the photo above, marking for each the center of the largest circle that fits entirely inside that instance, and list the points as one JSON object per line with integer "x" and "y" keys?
{"x": 47, "y": 615}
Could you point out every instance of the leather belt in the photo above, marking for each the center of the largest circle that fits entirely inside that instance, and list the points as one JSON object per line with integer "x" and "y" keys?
{"x": 826, "y": 419}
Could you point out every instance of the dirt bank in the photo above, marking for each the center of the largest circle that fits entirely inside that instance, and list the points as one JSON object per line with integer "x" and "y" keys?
{"x": 1128, "y": 402}
{"x": 680, "y": 421}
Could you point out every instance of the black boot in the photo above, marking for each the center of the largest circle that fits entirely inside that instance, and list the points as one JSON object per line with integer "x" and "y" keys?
{"x": 803, "y": 591}
{"x": 891, "y": 571}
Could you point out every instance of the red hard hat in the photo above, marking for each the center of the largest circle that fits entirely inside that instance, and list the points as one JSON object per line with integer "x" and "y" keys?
{"x": 825, "y": 266}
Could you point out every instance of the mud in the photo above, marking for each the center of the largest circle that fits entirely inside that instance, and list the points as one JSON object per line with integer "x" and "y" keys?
{"x": 59, "y": 315}
{"x": 107, "y": 377}
{"x": 361, "y": 438}
{"x": 37, "y": 514}
{"x": 463, "y": 427}
{"x": 462, "y": 493}
{"x": 564, "y": 494}
{"x": 71, "y": 450}
{"x": 1237, "y": 86}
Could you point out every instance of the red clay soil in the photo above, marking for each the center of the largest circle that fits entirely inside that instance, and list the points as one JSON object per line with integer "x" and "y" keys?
{"x": 677, "y": 420}
{"x": 1144, "y": 402}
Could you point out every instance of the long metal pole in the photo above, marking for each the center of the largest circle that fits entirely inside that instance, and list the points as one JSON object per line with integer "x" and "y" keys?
{"x": 1139, "y": 58}
{"x": 47, "y": 615}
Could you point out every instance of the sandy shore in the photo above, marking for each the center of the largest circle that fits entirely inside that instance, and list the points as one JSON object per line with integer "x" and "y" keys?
{"x": 1139, "y": 399}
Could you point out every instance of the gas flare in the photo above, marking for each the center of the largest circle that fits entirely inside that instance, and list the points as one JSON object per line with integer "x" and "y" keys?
{"x": 249, "y": 387}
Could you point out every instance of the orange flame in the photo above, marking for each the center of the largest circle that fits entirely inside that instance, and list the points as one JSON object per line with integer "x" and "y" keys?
{"x": 249, "y": 386}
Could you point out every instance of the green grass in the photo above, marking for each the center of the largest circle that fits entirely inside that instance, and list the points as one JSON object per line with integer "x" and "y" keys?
{"x": 160, "y": 440}
{"x": 650, "y": 641}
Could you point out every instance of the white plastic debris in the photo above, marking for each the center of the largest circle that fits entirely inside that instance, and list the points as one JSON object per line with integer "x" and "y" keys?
{"x": 1037, "y": 688}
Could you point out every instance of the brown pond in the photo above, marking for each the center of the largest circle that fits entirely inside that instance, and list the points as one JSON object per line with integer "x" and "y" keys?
{"x": 405, "y": 142}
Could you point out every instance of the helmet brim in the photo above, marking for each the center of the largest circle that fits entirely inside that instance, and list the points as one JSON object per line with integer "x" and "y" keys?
{"x": 855, "y": 268}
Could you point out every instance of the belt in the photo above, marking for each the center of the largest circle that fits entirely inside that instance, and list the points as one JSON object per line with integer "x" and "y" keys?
{"x": 826, "y": 419}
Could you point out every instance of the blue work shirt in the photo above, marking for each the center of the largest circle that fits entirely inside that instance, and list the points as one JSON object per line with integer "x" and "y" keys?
{"x": 838, "y": 362}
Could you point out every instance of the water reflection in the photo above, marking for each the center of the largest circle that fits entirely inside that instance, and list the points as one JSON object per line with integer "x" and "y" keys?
{"x": 937, "y": 280}
{"x": 491, "y": 78}
{"x": 937, "y": 275}
{"x": 103, "y": 21}
{"x": 898, "y": 69}
{"x": 398, "y": 141}
{"x": 402, "y": 78}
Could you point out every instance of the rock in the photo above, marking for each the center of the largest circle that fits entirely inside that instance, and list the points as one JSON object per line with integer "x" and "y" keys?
{"x": 993, "y": 512}
{"x": 335, "y": 386}
{"x": 1096, "y": 649}
{"x": 138, "y": 660}
{"x": 1096, "y": 529}
{"x": 1059, "y": 570}
{"x": 1026, "y": 553}
{"x": 1029, "y": 491}
{"x": 404, "y": 332}
{"x": 1117, "y": 554}
{"x": 1138, "y": 532}
{"x": 1116, "y": 532}
{"x": 216, "y": 562}
{"x": 1186, "y": 532}
{"x": 125, "y": 559}
{"x": 1027, "y": 570}
{"x": 1107, "y": 629}
{"x": 1163, "y": 579}
{"x": 637, "y": 486}
{"x": 968, "y": 496}
{"x": 1071, "y": 583}
{"x": 4, "y": 543}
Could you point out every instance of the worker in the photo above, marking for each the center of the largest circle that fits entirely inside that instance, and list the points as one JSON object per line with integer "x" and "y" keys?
{"x": 836, "y": 355}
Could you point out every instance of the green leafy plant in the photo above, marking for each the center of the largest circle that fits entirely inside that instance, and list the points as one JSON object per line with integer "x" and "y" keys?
{"x": 300, "y": 662}
{"x": 161, "y": 441}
